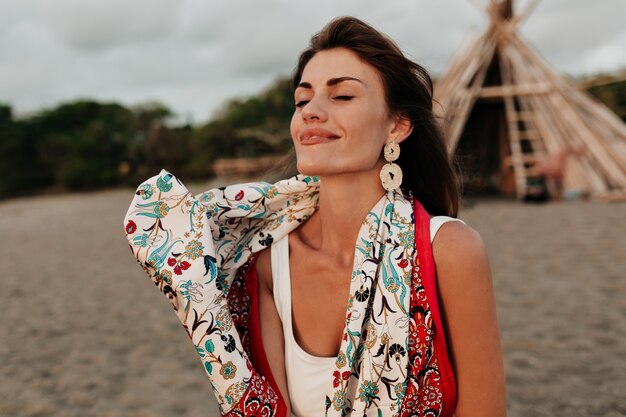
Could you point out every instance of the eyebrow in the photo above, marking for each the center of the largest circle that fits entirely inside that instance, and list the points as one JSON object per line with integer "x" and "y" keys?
{"x": 330, "y": 82}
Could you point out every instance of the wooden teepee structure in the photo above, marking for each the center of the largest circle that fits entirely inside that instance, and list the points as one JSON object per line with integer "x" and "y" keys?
{"x": 504, "y": 109}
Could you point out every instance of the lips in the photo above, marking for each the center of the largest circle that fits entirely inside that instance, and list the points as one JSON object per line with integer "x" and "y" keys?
{"x": 313, "y": 136}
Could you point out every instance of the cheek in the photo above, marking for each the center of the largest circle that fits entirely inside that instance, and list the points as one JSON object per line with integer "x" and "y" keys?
{"x": 369, "y": 155}
{"x": 372, "y": 129}
{"x": 294, "y": 126}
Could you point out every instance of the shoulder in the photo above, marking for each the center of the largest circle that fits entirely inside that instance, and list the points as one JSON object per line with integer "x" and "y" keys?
{"x": 460, "y": 259}
{"x": 457, "y": 243}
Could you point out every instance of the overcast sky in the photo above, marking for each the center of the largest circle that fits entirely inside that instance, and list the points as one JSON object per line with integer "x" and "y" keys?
{"x": 193, "y": 55}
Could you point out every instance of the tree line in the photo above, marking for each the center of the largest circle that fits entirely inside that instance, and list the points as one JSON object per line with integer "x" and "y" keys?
{"x": 86, "y": 145}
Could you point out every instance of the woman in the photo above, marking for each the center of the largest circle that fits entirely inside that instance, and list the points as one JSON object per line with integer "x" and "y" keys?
{"x": 310, "y": 322}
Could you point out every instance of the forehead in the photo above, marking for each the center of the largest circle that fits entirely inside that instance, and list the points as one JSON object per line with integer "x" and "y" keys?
{"x": 339, "y": 62}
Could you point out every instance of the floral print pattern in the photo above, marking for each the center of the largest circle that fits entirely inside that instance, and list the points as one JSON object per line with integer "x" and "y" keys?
{"x": 197, "y": 251}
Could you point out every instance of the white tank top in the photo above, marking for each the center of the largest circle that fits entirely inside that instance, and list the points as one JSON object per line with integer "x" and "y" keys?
{"x": 307, "y": 375}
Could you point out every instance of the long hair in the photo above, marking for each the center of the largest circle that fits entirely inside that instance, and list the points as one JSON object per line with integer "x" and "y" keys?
{"x": 427, "y": 169}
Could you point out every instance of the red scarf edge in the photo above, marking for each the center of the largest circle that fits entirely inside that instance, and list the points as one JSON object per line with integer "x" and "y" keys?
{"x": 429, "y": 280}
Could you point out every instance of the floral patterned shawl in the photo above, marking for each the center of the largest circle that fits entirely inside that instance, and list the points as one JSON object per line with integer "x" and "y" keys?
{"x": 198, "y": 251}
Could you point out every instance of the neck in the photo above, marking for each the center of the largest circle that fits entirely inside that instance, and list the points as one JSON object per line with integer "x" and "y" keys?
{"x": 344, "y": 201}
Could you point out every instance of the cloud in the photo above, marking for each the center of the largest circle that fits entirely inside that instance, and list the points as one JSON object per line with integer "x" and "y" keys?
{"x": 193, "y": 55}
{"x": 566, "y": 33}
{"x": 608, "y": 56}
{"x": 93, "y": 25}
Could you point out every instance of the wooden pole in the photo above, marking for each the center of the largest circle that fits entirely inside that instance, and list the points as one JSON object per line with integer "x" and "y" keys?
{"x": 506, "y": 9}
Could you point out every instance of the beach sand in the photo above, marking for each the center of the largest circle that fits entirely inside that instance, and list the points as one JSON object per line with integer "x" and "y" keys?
{"x": 84, "y": 332}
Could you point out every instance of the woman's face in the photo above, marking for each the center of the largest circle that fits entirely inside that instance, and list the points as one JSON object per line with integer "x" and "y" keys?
{"x": 341, "y": 121}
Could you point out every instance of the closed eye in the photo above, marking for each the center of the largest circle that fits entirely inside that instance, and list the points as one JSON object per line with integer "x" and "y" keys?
{"x": 301, "y": 103}
{"x": 344, "y": 98}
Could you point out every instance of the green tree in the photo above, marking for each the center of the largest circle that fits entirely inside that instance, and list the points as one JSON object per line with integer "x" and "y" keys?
{"x": 86, "y": 144}
{"x": 20, "y": 171}
{"x": 609, "y": 89}
{"x": 83, "y": 142}
{"x": 255, "y": 126}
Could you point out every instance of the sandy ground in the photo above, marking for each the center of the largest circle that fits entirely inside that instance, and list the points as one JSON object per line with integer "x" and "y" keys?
{"x": 83, "y": 332}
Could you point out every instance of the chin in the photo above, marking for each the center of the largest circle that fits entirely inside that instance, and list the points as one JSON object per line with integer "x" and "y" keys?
{"x": 313, "y": 168}
{"x": 308, "y": 169}
{"x": 318, "y": 168}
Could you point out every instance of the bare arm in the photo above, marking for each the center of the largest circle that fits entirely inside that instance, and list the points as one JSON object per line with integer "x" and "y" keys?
{"x": 271, "y": 326}
{"x": 468, "y": 307}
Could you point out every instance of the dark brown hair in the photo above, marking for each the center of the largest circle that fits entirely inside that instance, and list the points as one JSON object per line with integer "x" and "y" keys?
{"x": 426, "y": 167}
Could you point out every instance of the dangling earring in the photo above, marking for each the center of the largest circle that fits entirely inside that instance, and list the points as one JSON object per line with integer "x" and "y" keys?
{"x": 391, "y": 174}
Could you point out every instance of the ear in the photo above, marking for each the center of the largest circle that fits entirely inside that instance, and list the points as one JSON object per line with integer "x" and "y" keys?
{"x": 401, "y": 128}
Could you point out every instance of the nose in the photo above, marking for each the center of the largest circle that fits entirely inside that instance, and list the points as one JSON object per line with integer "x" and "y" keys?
{"x": 314, "y": 111}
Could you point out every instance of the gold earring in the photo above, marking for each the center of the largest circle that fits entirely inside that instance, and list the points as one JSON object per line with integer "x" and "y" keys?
{"x": 391, "y": 174}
